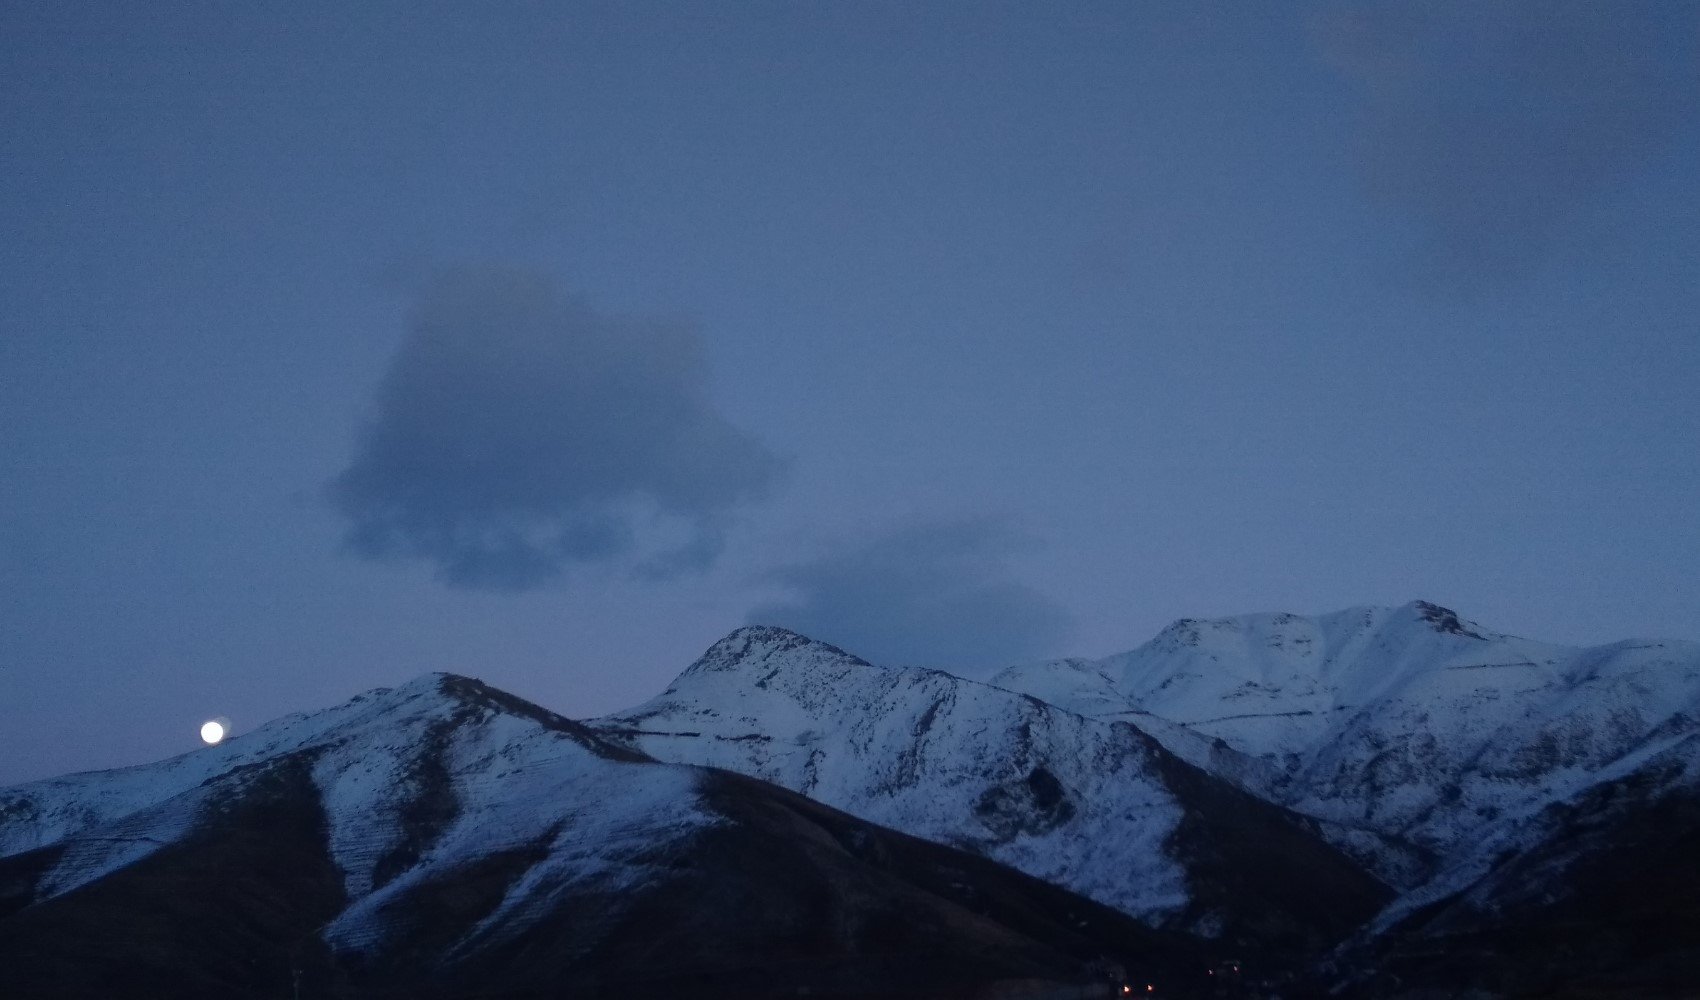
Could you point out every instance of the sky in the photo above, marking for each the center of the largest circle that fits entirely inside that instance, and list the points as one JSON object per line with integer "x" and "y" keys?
{"x": 547, "y": 343}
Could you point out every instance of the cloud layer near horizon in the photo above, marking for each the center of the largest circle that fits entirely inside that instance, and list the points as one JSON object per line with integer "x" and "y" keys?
{"x": 931, "y": 595}
{"x": 518, "y": 433}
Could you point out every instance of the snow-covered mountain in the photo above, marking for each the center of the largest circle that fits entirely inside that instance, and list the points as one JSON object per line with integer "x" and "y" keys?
{"x": 411, "y": 781}
{"x": 787, "y": 816}
{"x": 1096, "y": 806}
{"x": 446, "y": 839}
{"x": 1532, "y": 801}
{"x": 1410, "y": 732}
{"x": 1449, "y": 759}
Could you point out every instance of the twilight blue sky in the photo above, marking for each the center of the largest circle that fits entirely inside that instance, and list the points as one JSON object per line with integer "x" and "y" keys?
{"x": 549, "y": 342}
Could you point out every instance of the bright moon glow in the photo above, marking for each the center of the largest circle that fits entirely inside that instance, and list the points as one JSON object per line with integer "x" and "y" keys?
{"x": 212, "y": 732}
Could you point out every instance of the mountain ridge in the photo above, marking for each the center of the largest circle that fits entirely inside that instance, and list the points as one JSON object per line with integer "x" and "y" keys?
{"x": 1382, "y": 785}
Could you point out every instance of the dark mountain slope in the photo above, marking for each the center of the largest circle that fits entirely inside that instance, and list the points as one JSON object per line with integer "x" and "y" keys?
{"x": 230, "y": 910}
{"x": 526, "y": 860}
{"x": 1601, "y": 897}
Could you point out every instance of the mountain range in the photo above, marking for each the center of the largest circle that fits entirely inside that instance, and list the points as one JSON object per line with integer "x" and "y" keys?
{"x": 1375, "y": 802}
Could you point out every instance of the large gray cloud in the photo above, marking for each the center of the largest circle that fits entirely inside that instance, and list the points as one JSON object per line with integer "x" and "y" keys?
{"x": 933, "y": 595}
{"x": 1493, "y": 126}
{"x": 518, "y": 432}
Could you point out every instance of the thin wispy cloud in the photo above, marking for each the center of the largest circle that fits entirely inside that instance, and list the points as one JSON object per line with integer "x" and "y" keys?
{"x": 519, "y": 433}
{"x": 934, "y": 595}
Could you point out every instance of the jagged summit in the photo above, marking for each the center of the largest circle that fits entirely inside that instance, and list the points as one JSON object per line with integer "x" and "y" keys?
{"x": 1446, "y": 620}
{"x": 1192, "y": 631}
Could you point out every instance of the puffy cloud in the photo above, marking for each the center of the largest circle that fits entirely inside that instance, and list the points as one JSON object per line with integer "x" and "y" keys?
{"x": 518, "y": 433}
{"x": 1493, "y": 127}
{"x": 934, "y": 595}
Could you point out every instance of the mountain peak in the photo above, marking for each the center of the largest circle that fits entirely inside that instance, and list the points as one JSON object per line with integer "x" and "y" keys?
{"x": 1183, "y": 632}
{"x": 444, "y": 700}
{"x": 757, "y": 644}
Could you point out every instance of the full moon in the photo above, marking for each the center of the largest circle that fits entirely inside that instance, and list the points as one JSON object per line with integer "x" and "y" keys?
{"x": 212, "y": 732}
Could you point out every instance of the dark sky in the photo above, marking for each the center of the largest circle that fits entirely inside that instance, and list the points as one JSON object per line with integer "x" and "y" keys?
{"x": 547, "y": 343}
